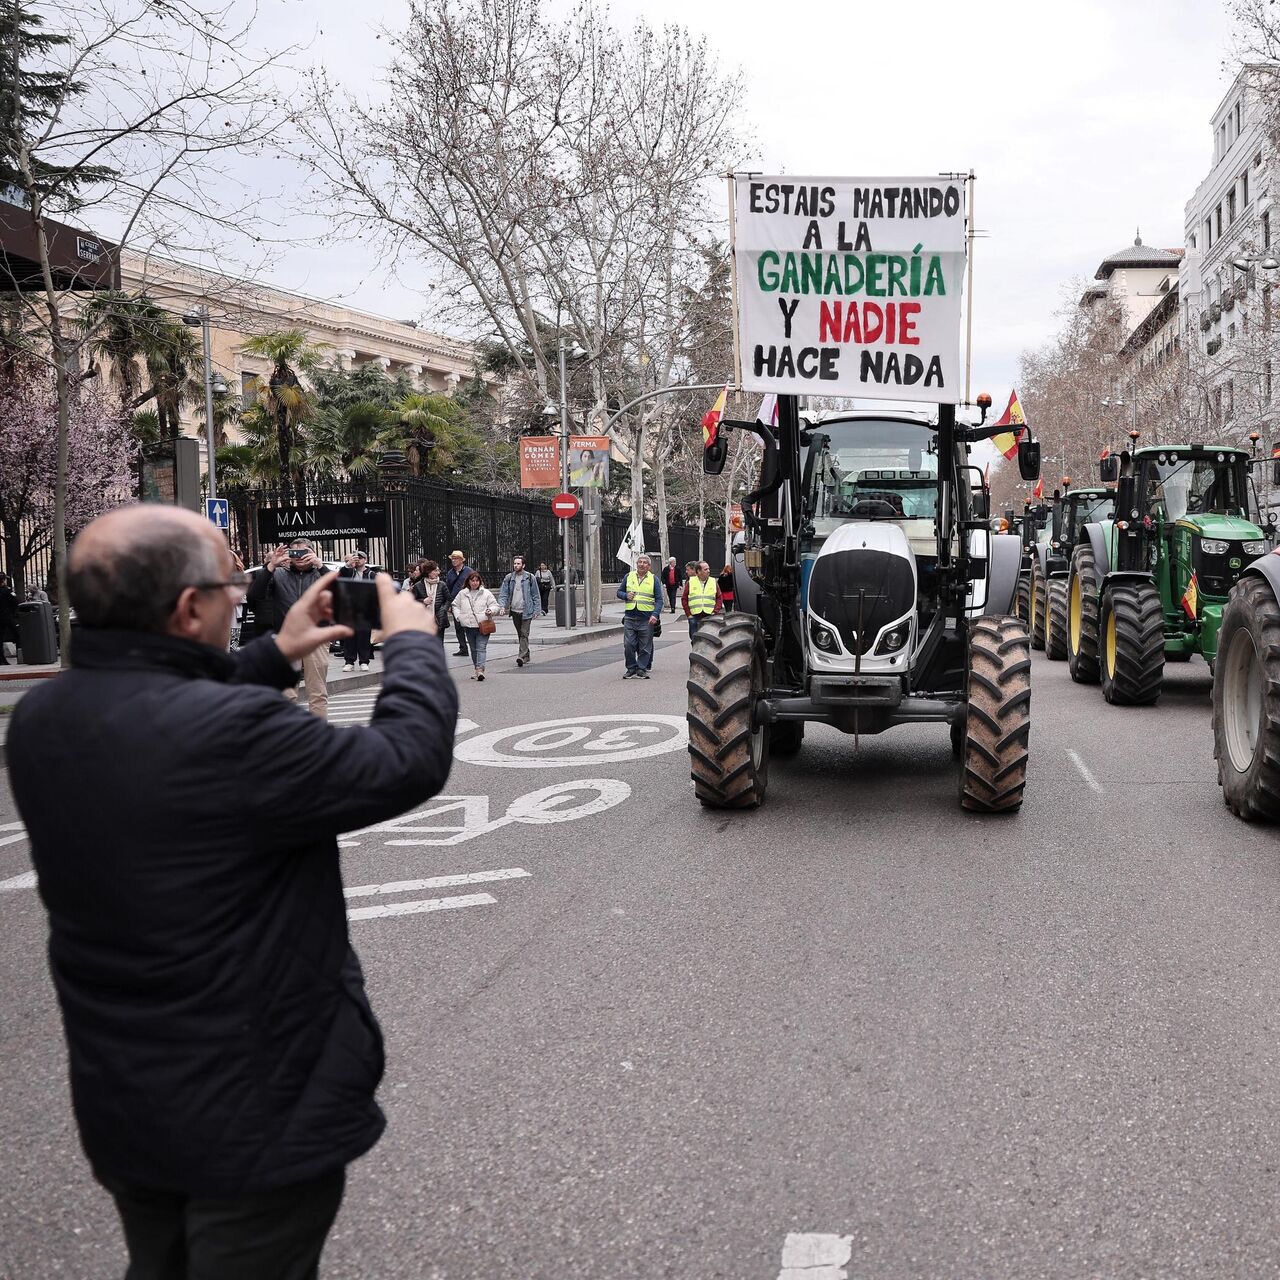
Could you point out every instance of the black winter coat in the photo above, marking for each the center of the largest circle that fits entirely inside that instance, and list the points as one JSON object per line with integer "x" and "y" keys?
{"x": 182, "y": 818}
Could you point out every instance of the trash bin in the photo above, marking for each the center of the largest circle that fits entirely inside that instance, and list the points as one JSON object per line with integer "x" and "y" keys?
{"x": 567, "y": 618}
{"x": 37, "y": 634}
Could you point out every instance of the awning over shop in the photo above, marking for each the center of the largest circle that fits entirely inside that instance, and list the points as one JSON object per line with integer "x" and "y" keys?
{"x": 79, "y": 260}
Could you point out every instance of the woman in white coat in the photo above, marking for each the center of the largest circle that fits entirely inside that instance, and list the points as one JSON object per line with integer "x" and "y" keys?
{"x": 473, "y": 605}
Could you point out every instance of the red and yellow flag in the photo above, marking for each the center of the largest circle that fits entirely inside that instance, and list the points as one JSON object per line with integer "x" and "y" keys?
{"x": 1191, "y": 598}
{"x": 1105, "y": 454}
{"x": 1013, "y": 417}
{"x": 1038, "y": 492}
{"x": 711, "y": 419}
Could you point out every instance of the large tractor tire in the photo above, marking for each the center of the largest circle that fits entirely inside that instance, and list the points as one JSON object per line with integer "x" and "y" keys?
{"x": 1246, "y": 701}
{"x": 997, "y": 727}
{"x": 1022, "y": 598}
{"x": 1132, "y": 644}
{"x": 728, "y": 754}
{"x": 1039, "y": 610}
{"x": 1055, "y": 626}
{"x": 1082, "y": 617}
{"x": 786, "y": 737}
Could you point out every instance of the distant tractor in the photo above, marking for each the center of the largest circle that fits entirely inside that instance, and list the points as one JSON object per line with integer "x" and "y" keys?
{"x": 1029, "y": 527}
{"x": 1150, "y": 585}
{"x": 1071, "y": 511}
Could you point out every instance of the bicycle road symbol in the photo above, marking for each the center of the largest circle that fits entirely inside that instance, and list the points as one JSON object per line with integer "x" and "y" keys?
{"x": 576, "y": 740}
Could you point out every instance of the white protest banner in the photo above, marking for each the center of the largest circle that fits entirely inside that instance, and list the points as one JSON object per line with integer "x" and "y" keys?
{"x": 850, "y": 286}
{"x": 632, "y": 545}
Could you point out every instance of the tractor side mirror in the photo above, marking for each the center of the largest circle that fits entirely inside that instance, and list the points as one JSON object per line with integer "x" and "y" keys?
{"x": 1109, "y": 469}
{"x": 1029, "y": 459}
{"x": 713, "y": 457}
{"x": 981, "y": 504}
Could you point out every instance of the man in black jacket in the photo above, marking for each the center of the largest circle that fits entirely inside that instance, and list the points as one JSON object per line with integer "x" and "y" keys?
{"x": 455, "y": 579}
{"x": 8, "y": 618}
{"x": 223, "y": 1055}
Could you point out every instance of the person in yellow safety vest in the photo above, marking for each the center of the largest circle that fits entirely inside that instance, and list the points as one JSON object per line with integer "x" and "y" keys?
{"x": 643, "y": 594}
{"x": 701, "y": 597}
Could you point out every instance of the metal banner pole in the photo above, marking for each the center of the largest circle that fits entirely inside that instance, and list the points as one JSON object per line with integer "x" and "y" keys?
{"x": 968, "y": 319}
{"x": 570, "y": 615}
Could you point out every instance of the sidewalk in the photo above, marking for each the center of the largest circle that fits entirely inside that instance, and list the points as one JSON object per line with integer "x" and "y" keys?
{"x": 544, "y": 639}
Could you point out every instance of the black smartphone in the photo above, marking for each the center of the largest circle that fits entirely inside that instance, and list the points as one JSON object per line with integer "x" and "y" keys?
{"x": 355, "y": 604}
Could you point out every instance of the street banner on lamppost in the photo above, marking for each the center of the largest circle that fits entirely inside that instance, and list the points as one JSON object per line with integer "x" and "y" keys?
{"x": 540, "y": 462}
{"x": 588, "y": 462}
{"x": 632, "y": 546}
{"x": 850, "y": 286}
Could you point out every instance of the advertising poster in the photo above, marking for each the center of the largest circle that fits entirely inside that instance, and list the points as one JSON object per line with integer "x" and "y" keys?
{"x": 540, "y": 462}
{"x": 588, "y": 462}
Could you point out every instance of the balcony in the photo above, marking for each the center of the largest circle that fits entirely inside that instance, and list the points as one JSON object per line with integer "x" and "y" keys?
{"x": 1229, "y": 302}
{"x": 1215, "y": 311}
{"x": 1205, "y": 322}
{"x": 1213, "y": 346}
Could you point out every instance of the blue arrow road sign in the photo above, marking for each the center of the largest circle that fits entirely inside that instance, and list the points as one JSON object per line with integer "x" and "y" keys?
{"x": 216, "y": 510}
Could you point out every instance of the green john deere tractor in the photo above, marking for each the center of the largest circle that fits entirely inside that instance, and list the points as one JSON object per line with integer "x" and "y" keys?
{"x": 1029, "y": 527}
{"x": 1072, "y": 510}
{"x": 1149, "y": 586}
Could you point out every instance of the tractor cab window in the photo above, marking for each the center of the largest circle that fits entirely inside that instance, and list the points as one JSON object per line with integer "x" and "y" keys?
{"x": 1208, "y": 485}
{"x": 873, "y": 470}
{"x": 1085, "y": 510}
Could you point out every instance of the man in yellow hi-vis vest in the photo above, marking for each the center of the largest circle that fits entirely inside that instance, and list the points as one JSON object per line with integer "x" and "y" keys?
{"x": 643, "y": 595}
{"x": 701, "y": 597}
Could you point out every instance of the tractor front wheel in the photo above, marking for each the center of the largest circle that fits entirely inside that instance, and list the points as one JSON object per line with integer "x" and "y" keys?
{"x": 728, "y": 751}
{"x": 1022, "y": 598}
{"x": 1246, "y": 701}
{"x": 993, "y": 763}
{"x": 1082, "y": 617}
{"x": 1055, "y": 630}
{"x": 1132, "y": 644}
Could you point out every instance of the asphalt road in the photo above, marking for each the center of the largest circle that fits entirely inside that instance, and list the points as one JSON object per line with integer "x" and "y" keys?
{"x": 857, "y": 1027}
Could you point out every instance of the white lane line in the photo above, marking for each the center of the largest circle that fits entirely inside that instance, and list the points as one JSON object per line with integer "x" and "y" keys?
{"x": 13, "y": 839}
{"x": 1094, "y": 785}
{"x": 10, "y": 826}
{"x": 435, "y": 882}
{"x": 426, "y": 904}
{"x": 27, "y": 880}
{"x": 815, "y": 1255}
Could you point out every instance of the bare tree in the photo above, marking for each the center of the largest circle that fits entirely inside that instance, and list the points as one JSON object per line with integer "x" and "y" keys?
{"x": 147, "y": 105}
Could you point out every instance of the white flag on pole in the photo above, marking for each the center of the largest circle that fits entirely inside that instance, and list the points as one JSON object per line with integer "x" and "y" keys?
{"x": 768, "y": 411}
{"x": 633, "y": 544}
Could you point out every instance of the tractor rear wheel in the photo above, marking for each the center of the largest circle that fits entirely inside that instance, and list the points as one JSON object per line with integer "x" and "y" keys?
{"x": 1246, "y": 701}
{"x": 786, "y": 737}
{"x": 1055, "y": 630}
{"x": 993, "y": 763}
{"x": 1022, "y": 598}
{"x": 728, "y": 752}
{"x": 1039, "y": 610}
{"x": 1132, "y": 644}
{"x": 1082, "y": 617}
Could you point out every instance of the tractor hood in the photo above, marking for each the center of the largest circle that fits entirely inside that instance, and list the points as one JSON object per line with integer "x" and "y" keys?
{"x": 1228, "y": 528}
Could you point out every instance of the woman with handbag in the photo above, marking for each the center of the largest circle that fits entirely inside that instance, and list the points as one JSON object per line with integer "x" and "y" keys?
{"x": 433, "y": 593}
{"x": 474, "y": 608}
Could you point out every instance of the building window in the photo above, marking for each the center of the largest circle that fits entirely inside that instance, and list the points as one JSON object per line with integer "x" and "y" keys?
{"x": 1231, "y": 331}
{"x": 1231, "y": 206}
{"x": 1217, "y": 214}
{"x": 1193, "y": 239}
{"x": 1244, "y": 188}
{"x": 1208, "y": 234}
{"x": 1237, "y": 134}
{"x": 248, "y": 390}
{"x": 1266, "y": 230}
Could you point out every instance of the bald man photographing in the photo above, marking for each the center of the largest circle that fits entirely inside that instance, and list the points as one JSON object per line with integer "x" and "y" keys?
{"x": 183, "y": 820}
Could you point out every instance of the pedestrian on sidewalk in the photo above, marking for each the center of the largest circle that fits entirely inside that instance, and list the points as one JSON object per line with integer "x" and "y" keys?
{"x": 223, "y": 1056}
{"x": 288, "y": 573}
{"x": 519, "y": 596}
{"x": 8, "y": 619}
{"x": 412, "y": 575}
{"x": 455, "y": 579}
{"x": 725, "y": 582}
{"x": 671, "y": 581}
{"x": 474, "y": 609}
{"x": 545, "y": 582}
{"x": 643, "y": 613}
{"x": 701, "y": 597}
{"x": 431, "y": 591}
{"x": 357, "y": 647}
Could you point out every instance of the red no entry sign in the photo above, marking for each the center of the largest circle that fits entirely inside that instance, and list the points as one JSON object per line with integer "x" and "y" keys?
{"x": 565, "y": 505}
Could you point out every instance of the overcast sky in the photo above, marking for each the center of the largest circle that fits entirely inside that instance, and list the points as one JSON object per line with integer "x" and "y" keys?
{"x": 1082, "y": 122}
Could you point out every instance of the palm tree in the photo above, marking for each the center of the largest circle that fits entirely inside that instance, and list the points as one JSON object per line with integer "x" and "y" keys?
{"x": 350, "y": 441}
{"x": 226, "y": 412}
{"x": 437, "y": 435}
{"x": 125, "y": 328}
{"x": 284, "y": 397}
{"x": 174, "y": 353}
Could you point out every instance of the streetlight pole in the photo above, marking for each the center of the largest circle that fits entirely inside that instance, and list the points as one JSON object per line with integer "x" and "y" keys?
{"x": 571, "y": 614}
{"x": 200, "y": 316}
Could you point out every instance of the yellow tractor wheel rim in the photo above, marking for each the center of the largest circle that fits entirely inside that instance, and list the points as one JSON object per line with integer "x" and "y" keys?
{"x": 1077, "y": 609}
{"x": 1111, "y": 645}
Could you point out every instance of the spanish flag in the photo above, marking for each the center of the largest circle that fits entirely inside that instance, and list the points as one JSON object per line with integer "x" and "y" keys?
{"x": 711, "y": 419}
{"x": 1007, "y": 441}
{"x": 1038, "y": 492}
{"x": 1191, "y": 598}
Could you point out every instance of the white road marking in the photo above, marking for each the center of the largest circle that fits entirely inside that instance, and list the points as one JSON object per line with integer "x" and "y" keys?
{"x": 12, "y": 839}
{"x": 434, "y": 882}
{"x": 416, "y": 908}
{"x": 815, "y": 1255}
{"x": 10, "y": 826}
{"x": 537, "y": 746}
{"x": 1094, "y": 785}
{"x": 27, "y": 880}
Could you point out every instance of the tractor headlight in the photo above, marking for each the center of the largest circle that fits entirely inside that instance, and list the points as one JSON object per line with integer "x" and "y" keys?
{"x": 893, "y": 640}
{"x": 1214, "y": 546}
{"x": 1254, "y": 548}
{"x": 823, "y": 638}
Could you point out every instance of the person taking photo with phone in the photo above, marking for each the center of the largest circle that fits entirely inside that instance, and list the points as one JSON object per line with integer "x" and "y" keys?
{"x": 223, "y": 1056}
{"x": 357, "y": 647}
{"x": 288, "y": 573}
